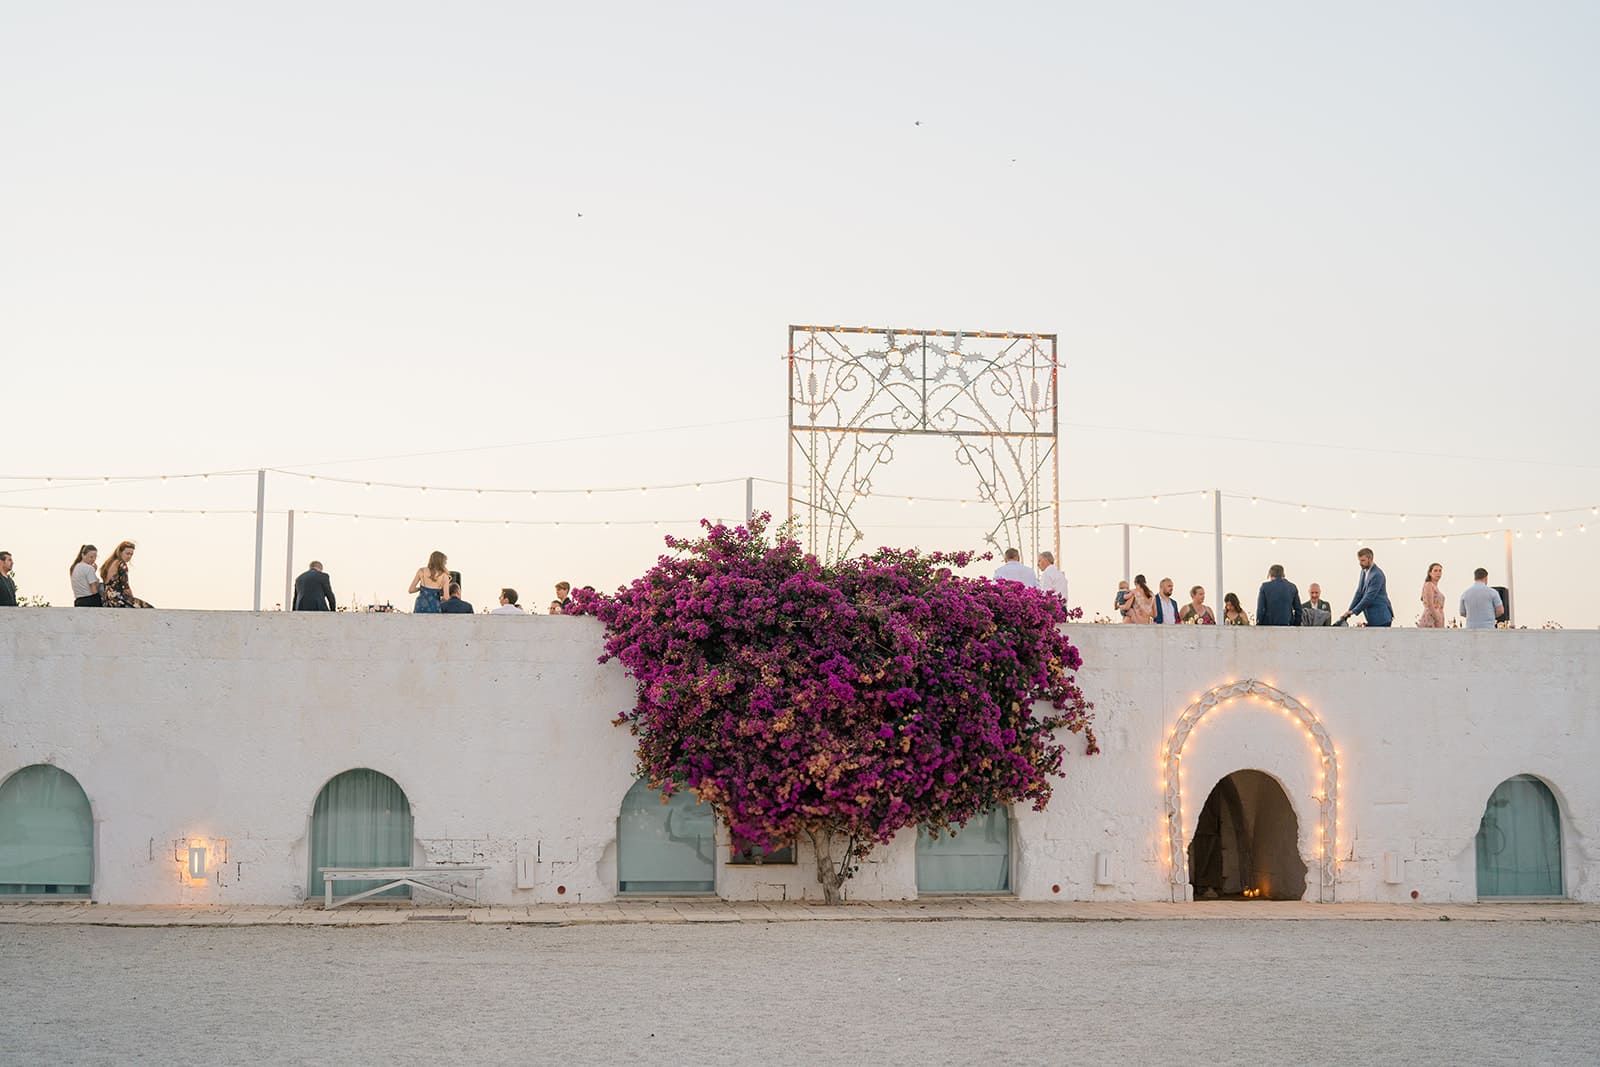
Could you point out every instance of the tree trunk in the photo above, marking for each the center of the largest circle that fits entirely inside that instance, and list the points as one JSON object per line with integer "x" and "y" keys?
{"x": 828, "y": 872}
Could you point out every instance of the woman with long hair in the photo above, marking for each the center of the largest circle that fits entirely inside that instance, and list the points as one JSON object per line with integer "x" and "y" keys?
{"x": 114, "y": 587}
{"x": 1233, "y": 612}
{"x": 1141, "y": 603}
{"x": 1432, "y": 600}
{"x": 85, "y": 579}
{"x": 430, "y": 583}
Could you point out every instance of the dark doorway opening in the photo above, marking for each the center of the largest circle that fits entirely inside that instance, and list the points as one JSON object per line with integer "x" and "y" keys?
{"x": 1246, "y": 845}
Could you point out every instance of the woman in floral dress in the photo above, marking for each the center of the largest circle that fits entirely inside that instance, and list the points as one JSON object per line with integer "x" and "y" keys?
{"x": 114, "y": 587}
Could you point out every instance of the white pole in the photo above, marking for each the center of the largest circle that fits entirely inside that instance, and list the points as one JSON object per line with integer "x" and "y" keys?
{"x": 1127, "y": 556}
{"x": 1511, "y": 592}
{"x": 1216, "y": 494}
{"x": 288, "y": 567}
{"x": 261, "y": 530}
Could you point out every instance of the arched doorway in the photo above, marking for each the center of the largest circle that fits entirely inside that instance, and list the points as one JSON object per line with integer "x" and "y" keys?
{"x": 1519, "y": 841}
{"x": 46, "y": 834}
{"x": 975, "y": 858}
{"x": 665, "y": 848}
{"x": 361, "y": 819}
{"x": 1247, "y": 842}
{"x": 1328, "y": 814}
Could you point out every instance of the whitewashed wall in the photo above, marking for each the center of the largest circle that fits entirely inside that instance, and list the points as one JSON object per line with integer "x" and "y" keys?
{"x": 224, "y": 727}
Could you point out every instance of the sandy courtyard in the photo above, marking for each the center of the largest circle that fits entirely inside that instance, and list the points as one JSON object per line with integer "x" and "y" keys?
{"x": 970, "y": 992}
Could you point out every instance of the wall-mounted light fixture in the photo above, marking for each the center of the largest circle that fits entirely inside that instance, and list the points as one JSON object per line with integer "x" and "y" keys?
{"x": 197, "y": 862}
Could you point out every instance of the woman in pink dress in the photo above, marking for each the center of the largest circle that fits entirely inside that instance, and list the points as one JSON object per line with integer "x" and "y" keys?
{"x": 1432, "y": 600}
{"x": 1140, "y": 606}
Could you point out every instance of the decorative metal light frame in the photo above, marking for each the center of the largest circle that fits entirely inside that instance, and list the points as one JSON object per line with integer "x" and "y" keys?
{"x": 853, "y": 390}
{"x": 1327, "y": 796}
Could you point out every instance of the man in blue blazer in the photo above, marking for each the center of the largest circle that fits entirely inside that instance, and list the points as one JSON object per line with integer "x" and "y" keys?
{"x": 1372, "y": 594}
{"x": 1278, "y": 603}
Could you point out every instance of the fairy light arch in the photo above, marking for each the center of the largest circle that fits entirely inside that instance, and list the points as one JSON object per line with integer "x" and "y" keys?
{"x": 1327, "y": 795}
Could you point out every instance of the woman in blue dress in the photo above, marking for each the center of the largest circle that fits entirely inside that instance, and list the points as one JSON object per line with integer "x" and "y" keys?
{"x": 430, "y": 583}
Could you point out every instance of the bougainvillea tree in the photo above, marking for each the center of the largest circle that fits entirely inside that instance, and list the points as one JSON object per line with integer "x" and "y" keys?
{"x": 841, "y": 702}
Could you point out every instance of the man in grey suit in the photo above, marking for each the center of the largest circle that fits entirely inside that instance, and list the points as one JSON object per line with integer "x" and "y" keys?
{"x": 1316, "y": 611}
{"x": 313, "y": 591}
{"x": 1278, "y": 603}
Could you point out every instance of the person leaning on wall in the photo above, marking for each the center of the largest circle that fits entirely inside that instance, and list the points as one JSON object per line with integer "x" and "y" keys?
{"x": 114, "y": 583}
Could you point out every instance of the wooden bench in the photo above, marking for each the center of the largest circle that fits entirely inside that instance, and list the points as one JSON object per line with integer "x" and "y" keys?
{"x": 394, "y": 877}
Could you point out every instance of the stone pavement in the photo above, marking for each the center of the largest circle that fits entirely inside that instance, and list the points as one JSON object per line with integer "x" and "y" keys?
{"x": 687, "y": 910}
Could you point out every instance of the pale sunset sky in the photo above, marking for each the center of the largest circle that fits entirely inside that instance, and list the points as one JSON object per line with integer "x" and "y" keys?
{"x": 1340, "y": 255}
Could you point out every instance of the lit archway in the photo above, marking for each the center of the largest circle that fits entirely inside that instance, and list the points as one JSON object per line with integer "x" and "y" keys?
{"x": 1327, "y": 797}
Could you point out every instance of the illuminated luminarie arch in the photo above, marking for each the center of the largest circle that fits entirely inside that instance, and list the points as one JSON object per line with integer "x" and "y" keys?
{"x": 1327, "y": 797}
{"x": 857, "y": 391}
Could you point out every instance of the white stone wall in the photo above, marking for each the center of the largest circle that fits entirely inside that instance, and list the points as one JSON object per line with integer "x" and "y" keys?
{"x": 222, "y": 727}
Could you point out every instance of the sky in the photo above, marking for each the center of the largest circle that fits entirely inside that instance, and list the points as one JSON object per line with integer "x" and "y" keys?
{"x": 1340, "y": 257}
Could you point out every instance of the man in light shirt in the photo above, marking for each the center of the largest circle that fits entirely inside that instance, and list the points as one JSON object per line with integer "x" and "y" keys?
{"x": 1166, "y": 607}
{"x": 1014, "y": 570}
{"x": 1050, "y": 576}
{"x": 508, "y": 604}
{"x": 1481, "y": 604}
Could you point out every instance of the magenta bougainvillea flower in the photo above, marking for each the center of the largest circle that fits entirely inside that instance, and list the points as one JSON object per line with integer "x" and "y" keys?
{"x": 844, "y": 702}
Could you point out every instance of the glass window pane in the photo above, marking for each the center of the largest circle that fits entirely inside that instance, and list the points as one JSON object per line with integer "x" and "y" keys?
{"x": 46, "y": 834}
{"x": 1519, "y": 841}
{"x": 976, "y": 858}
{"x": 665, "y": 848}
{"x": 361, "y": 819}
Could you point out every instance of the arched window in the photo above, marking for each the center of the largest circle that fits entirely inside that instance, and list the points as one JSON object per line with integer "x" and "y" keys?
{"x": 665, "y": 848}
{"x": 1519, "y": 841}
{"x": 361, "y": 819}
{"x": 46, "y": 834}
{"x": 975, "y": 858}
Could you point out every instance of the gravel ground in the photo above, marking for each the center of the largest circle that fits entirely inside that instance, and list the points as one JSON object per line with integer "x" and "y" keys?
{"x": 969, "y": 992}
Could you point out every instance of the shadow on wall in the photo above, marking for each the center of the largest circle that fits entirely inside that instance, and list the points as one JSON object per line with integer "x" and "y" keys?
{"x": 1246, "y": 845}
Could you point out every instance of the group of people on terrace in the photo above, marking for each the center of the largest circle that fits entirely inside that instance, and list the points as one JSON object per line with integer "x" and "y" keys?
{"x": 1278, "y": 602}
{"x": 105, "y": 586}
{"x": 108, "y": 584}
{"x": 436, "y": 587}
{"x": 438, "y": 592}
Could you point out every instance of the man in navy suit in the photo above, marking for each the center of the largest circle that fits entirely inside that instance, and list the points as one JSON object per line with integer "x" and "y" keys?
{"x": 1372, "y": 594}
{"x": 1278, "y": 603}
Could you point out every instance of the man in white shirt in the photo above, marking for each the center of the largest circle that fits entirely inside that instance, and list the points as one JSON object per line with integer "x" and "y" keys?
{"x": 1050, "y": 576}
{"x": 1481, "y": 603}
{"x": 508, "y": 604}
{"x": 1014, "y": 570}
{"x": 1166, "y": 607}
